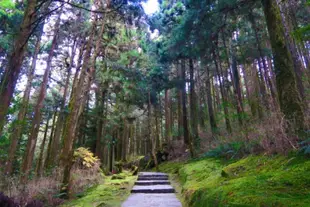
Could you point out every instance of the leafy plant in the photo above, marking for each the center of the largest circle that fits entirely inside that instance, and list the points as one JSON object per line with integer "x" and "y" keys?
{"x": 228, "y": 150}
{"x": 305, "y": 145}
{"x": 85, "y": 157}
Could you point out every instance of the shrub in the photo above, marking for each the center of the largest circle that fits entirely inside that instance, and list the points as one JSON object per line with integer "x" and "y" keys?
{"x": 86, "y": 170}
{"x": 85, "y": 158}
{"x": 228, "y": 150}
{"x": 304, "y": 146}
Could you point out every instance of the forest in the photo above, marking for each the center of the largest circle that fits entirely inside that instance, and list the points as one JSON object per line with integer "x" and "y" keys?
{"x": 216, "y": 93}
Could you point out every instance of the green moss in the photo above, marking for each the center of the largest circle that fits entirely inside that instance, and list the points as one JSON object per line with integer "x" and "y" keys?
{"x": 109, "y": 194}
{"x": 252, "y": 181}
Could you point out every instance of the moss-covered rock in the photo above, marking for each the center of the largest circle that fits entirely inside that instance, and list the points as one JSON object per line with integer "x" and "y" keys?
{"x": 117, "y": 177}
{"x": 134, "y": 170}
{"x": 252, "y": 181}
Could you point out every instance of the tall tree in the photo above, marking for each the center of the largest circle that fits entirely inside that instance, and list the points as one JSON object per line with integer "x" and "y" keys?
{"x": 289, "y": 98}
{"x": 12, "y": 71}
{"x": 32, "y": 139}
{"x": 15, "y": 136}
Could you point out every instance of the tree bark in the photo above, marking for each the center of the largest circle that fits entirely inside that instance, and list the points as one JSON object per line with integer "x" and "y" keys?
{"x": 100, "y": 96}
{"x": 212, "y": 119}
{"x": 179, "y": 92}
{"x": 16, "y": 135}
{"x": 73, "y": 116}
{"x": 60, "y": 121}
{"x": 184, "y": 108}
{"x": 223, "y": 93}
{"x": 12, "y": 71}
{"x": 262, "y": 60}
{"x": 193, "y": 110}
{"x": 124, "y": 142}
{"x": 237, "y": 87}
{"x": 49, "y": 147}
{"x": 151, "y": 133}
{"x": 168, "y": 116}
{"x": 289, "y": 98}
{"x": 287, "y": 18}
{"x": 32, "y": 140}
{"x": 39, "y": 166}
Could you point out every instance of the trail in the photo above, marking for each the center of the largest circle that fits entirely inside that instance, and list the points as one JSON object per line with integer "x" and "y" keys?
{"x": 152, "y": 190}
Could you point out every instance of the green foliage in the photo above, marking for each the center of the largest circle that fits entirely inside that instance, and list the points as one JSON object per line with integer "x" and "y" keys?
{"x": 4, "y": 145}
{"x": 10, "y": 18}
{"x": 228, "y": 150}
{"x": 7, "y": 4}
{"x": 305, "y": 145}
{"x": 302, "y": 34}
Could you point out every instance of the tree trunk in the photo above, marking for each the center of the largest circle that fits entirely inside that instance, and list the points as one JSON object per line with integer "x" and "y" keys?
{"x": 157, "y": 132}
{"x": 201, "y": 101}
{"x": 234, "y": 73}
{"x": 263, "y": 61}
{"x": 49, "y": 147}
{"x": 111, "y": 153}
{"x": 151, "y": 133}
{"x": 179, "y": 92}
{"x": 287, "y": 18}
{"x": 124, "y": 142}
{"x": 184, "y": 108}
{"x": 60, "y": 121}
{"x": 12, "y": 71}
{"x": 32, "y": 140}
{"x": 223, "y": 93}
{"x": 39, "y": 166}
{"x": 167, "y": 116}
{"x": 290, "y": 101}
{"x": 237, "y": 87}
{"x": 100, "y": 96}
{"x": 73, "y": 116}
{"x": 16, "y": 135}
{"x": 193, "y": 110}
{"x": 212, "y": 119}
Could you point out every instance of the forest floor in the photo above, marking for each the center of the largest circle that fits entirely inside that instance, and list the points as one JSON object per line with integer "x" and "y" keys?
{"x": 252, "y": 181}
{"x": 111, "y": 193}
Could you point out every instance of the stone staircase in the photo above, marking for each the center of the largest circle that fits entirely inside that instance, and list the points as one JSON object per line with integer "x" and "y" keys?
{"x": 152, "y": 190}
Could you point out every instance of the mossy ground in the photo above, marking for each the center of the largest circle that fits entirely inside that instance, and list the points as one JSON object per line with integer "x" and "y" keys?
{"x": 252, "y": 181}
{"x": 111, "y": 193}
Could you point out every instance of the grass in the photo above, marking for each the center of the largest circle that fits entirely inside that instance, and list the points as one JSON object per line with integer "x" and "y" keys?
{"x": 111, "y": 193}
{"x": 251, "y": 181}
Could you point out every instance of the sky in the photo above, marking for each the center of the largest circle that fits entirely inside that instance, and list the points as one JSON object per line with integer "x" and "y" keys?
{"x": 150, "y": 7}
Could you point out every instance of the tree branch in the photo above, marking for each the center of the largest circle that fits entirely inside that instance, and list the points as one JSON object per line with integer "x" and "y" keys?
{"x": 90, "y": 10}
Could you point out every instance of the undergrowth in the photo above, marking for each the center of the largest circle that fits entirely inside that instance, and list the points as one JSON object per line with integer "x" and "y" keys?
{"x": 111, "y": 193}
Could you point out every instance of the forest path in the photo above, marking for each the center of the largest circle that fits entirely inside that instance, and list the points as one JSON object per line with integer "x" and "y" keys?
{"x": 152, "y": 190}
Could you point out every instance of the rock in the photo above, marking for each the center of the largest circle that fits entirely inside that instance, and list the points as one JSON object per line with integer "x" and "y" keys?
{"x": 224, "y": 174}
{"x": 135, "y": 170}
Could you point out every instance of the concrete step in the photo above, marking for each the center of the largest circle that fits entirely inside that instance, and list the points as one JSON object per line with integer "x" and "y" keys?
{"x": 152, "y": 173}
{"x": 152, "y": 178}
{"x": 152, "y": 200}
{"x": 153, "y": 189}
{"x": 152, "y": 182}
